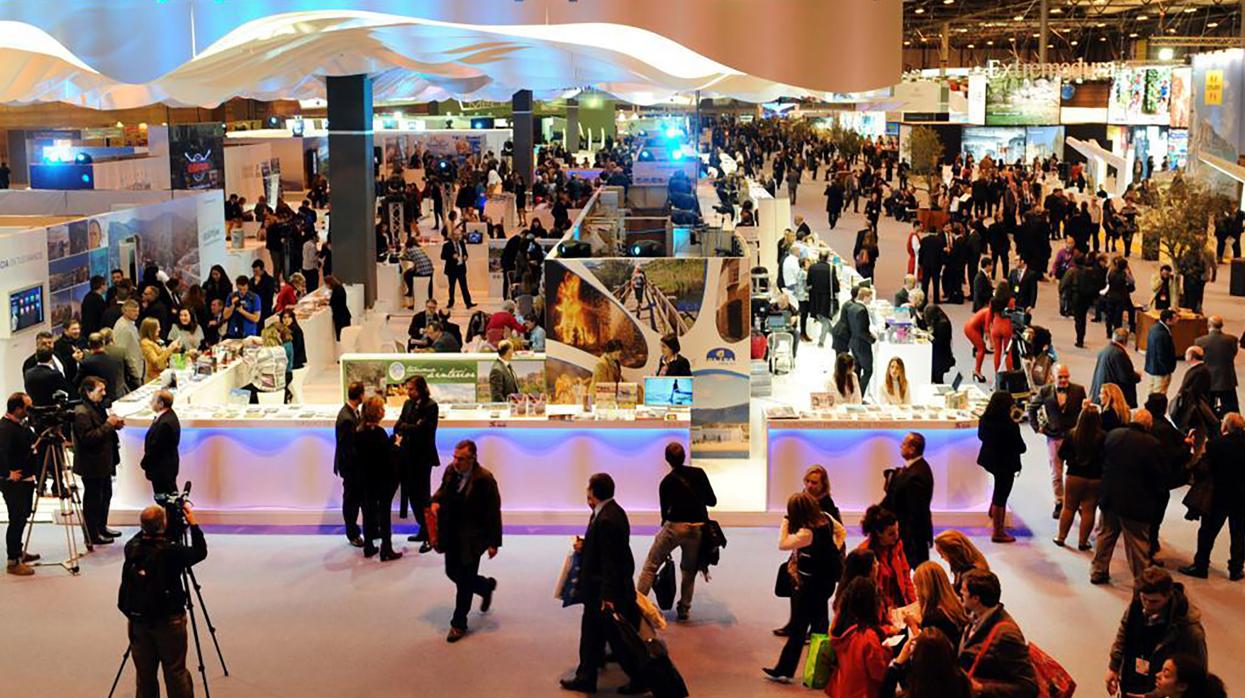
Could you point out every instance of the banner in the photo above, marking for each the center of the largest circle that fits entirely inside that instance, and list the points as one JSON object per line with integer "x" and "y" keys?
{"x": 452, "y": 378}
{"x": 629, "y": 303}
{"x": 197, "y": 156}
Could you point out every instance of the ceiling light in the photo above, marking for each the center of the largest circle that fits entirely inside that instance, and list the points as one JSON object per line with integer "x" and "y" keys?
{"x": 919, "y": 11}
{"x": 1212, "y": 24}
{"x": 1132, "y": 35}
{"x": 948, "y": 2}
{"x": 1013, "y": 39}
{"x": 971, "y": 46}
{"x": 1035, "y": 35}
{"x": 907, "y": 43}
{"x": 1102, "y": 38}
{"x": 1101, "y": 25}
{"x": 1050, "y": 46}
{"x": 1074, "y": 42}
{"x": 1019, "y": 18}
{"x": 990, "y": 42}
{"x": 962, "y": 30}
{"x": 1056, "y": 11}
{"x": 1190, "y": 9}
{"x": 1142, "y": 18}
{"x": 1171, "y": 30}
{"x": 1166, "y": 53}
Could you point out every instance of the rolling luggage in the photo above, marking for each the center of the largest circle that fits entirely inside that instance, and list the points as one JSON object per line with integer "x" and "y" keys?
{"x": 652, "y": 660}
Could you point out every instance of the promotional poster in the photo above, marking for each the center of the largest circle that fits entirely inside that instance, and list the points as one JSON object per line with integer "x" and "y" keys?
{"x": 197, "y": 155}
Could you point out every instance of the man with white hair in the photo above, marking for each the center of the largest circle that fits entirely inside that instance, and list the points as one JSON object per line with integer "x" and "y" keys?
{"x": 1219, "y": 350}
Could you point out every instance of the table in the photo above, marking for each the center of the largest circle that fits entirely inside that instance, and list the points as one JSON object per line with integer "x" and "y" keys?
{"x": 1185, "y": 330}
{"x": 276, "y": 468}
{"x": 856, "y": 453}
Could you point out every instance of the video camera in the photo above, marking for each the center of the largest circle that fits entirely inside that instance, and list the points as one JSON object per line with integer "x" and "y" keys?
{"x": 174, "y": 509}
{"x": 57, "y": 414}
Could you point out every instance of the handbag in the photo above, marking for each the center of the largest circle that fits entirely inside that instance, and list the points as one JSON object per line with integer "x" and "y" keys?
{"x": 1200, "y": 498}
{"x": 567, "y": 587}
{"x": 663, "y": 585}
{"x": 1053, "y": 681}
{"x": 821, "y": 661}
{"x": 784, "y": 583}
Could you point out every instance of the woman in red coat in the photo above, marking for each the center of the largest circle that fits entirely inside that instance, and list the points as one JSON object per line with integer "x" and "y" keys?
{"x": 857, "y": 641}
{"x": 894, "y": 576}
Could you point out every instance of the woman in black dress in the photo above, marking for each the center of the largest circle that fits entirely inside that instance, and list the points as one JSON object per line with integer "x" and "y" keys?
{"x": 337, "y": 304}
{"x": 374, "y": 450}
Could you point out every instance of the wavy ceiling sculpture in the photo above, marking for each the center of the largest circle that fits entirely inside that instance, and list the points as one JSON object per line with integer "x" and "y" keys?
{"x": 112, "y": 54}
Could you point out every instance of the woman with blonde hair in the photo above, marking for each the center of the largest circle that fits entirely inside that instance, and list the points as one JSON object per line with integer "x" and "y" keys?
{"x": 1115, "y": 410}
{"x": 895, "y": 386}
{"x": 960, "y": 554}
{"x": 937, "y": 604}
{"x": 154, "y": 352}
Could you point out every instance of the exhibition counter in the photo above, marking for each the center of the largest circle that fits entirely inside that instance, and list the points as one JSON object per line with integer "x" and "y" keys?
{"x": 273, "y": 465}
{"x": 858, "y": 443}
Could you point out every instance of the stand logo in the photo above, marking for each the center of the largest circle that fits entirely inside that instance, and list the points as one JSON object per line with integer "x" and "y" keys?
{"x": 198, "y": 166}
{"x": 720, "y": 355}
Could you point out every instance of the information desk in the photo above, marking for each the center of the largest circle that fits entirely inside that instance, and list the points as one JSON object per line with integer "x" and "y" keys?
{"x": 856, "y": 449}
{"x": 1185, "y": 329}
{"x": 273, "y": 465}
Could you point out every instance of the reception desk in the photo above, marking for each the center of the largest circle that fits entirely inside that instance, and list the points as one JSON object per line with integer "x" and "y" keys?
{"x": 274, "y": 466}
{"x": 857, "y": 451}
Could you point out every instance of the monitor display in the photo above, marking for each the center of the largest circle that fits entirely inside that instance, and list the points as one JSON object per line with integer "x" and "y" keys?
{"x": 665, "y": 391}
{"x": 1141, "y": 96}
{"x": 1003, "y": 144}
{"x": 25, "y": 308}
{"x": 1013, "y": 100}
{"x": 474, "y": 237}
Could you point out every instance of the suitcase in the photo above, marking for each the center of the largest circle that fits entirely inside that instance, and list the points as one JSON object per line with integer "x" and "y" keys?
{"x": 652, "y": 660}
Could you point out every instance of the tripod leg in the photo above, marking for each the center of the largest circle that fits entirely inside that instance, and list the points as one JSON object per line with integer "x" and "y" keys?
{"x": 207, "y": 618}
{"x": 194, "y": 629}
{"x": 124, "y": 658}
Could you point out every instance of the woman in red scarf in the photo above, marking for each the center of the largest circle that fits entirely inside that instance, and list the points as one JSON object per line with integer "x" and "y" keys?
{"x": 894, "y": 577}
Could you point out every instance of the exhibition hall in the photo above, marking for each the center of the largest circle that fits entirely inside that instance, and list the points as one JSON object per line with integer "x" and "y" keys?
{"x": 590, "y": 347}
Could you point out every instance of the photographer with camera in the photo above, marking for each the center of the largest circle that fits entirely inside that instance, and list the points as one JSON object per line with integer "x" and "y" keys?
{"x": 97, "y": 449}
{"x": 17, "y": 448}
{"x": 153, "y": 597}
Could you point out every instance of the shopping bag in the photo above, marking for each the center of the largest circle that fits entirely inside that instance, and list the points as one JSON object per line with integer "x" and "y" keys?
{"x": 430, "y": 521}
{"x": 820, "y": 662}
{"x": 663, "y": 585}
{"x": 567, "y": 588}
{"x": 1052, "y": 679}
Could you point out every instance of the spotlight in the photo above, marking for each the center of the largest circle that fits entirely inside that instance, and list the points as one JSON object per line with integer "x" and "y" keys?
{"x": 1165, "y": 53}
{"x": 678, "y": 152}
{"x": 83, "y": 159}
{"x": 574, "y": 249}
{"x": 647, "y": 248}
{"x": 645, "y": 156}
{"x": 674, "y": 132}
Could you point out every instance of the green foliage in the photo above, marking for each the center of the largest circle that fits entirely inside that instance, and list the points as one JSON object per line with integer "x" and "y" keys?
{"x": 846, "y": 141}
{"x": 927, "y": 149}
{"x": 1179, "y": 218}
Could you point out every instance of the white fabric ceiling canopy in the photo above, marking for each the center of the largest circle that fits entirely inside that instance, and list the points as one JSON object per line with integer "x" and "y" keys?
{"x": 203, "y": 52}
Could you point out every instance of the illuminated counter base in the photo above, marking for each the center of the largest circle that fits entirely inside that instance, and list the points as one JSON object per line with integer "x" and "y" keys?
{"x": 857, "y": 452}
{"x": 280, "y": 472}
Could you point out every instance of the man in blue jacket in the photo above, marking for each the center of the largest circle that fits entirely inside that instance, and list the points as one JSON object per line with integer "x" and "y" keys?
{"x": 1161, "y": 352}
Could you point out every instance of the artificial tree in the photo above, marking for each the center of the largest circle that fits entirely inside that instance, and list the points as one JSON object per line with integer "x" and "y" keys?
{"x": 1179, "y": 218}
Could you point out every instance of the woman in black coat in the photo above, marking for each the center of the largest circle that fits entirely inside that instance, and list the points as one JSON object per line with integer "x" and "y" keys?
{"x": 672, "y": 363}
{"x": 374, "y": 453}
{"x": 1001, "y": 446}
{"x": 416, "y": 431}
{"x": 337, "y": 304}
{"x": 299, "y": 342}
{"x": 939, "y": 326}
{"x": 217, "y": 285}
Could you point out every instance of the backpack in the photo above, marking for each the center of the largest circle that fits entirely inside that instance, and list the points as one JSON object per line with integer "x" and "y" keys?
{"x": 145, "y": 592}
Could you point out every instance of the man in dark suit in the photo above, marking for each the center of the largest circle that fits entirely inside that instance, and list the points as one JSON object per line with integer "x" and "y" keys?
{"x": 1053, "y": 413}
{"x": 861, "y": 336}
{"x": 1194, "y": 358}
{"x": 1115, "y": 366}
{"x": 93, "y": 306}
{"x": 834, "y": 201}
{"x": 98, "y": 363}
{"x": 1228, "y": 504}
{"x": 1024, "y": 284}
{"x": 1219, "y": 349}
{"x": 43, "y": 381}
{"x": 605, "y": 585}
{"x": 502, "y": 382}
{"x": 420, "y": 320}
{"x": 96, "y": 452}
{"x": 468, "y": 511}
{"x": 454, "y": 254}
{"x": 930, "y": 258}
{"x": 1161, "y": 352}
{"x": 823, "y": 292}
{"x": 42, "y": 340}
{"x": 1133, "y": 483}
{"x": 343, "y": 462}
{"x": 909, "y": 491}
{"x": 160, "y": 458}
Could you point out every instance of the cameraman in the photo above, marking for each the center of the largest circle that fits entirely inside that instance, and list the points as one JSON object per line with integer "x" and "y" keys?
{"x": 96, "y": 449}
{"x": 153, "y": 597}
{"x": 17, "y": 444}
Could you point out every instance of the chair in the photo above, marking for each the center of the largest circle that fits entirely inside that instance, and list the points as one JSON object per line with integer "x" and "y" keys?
{"x": 298, "y": 376}
{"x": 781, "y": 352}
{"x": 276, "y": 397}
{"x": 349, "y": 342}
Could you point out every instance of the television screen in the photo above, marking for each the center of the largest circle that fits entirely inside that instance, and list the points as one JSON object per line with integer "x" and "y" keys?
{"x": 1013, "y": 100}
{"x": 1141, "y": 96}
{"x": 665, "y": 391}
{"x": 25, "y": 308}
{"x": 1002, "y": 144}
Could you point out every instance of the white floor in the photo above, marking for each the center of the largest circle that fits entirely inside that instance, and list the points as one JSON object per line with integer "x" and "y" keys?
{"x": 306, "y": 615}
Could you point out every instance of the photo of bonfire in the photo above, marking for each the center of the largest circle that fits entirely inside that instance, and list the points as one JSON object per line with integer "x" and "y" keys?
{"x": 566, "y": 383}
{"x": 583, "y": 317}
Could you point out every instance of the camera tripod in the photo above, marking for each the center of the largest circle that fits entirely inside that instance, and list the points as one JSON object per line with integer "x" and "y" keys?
{"x": 189, "y": 582}
{"x": 65, "y": 488}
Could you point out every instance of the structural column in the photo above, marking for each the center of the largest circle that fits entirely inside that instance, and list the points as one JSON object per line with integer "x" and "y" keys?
{"x": 1043, "y": 31}
{"x": 524, "y": 141}
{"x": 572, "y": 126}
{"x": 352, "y": 181}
